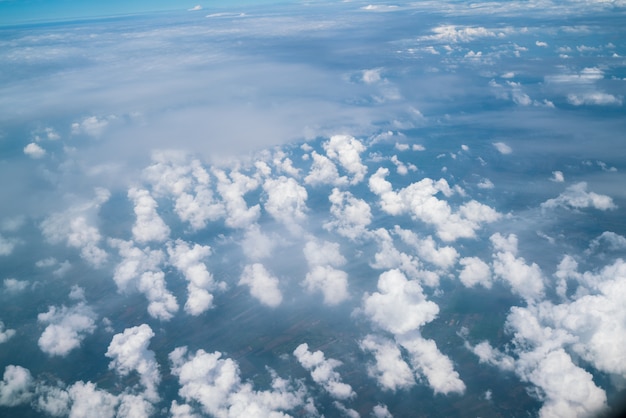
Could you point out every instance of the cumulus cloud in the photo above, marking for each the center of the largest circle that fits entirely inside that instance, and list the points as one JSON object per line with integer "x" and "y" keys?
{"x": 323, "y": 258}
{"x": 14, "y": 286}
{"x": 324, "y": 171}
{"x": 91, "y": 125}
{"x": 607, "y": 241}
{"x": 475, "y": 272}
{"x": 74, "y": 227}
{"x": 66, "y": 329}
{"x": 148, "y": 224}
{"x": 503, "y": 148}
{"x": 232, "y": 188}
{"x": 5, "y": 334}
{"x": 129, "y": 353}
{"x": 257, "y": 245}
{"x": 525, "y": 280}
{"x": 351, "y": 215}
{"x": 215, "y": 384}
{"x": 286, "y": 202}
{"x": 34, "y": 151}
{"x": 389, "y": 369}
{"x": 420, "y": 201}
{"x": 594, "y": 98}
{"x": 141, "y": 270}
{"x": 576, "y": 196}
{"x": 88, "y": 400}
{"x": 557, "y": 176}
{"x": 323, "y": 372}
{"x": 346, "y": 150}
{"x": 381, "y": 411}
{"x": 188, "y": 260}
{"x": 263, "y": 286}
{"x": 15, "y": 387}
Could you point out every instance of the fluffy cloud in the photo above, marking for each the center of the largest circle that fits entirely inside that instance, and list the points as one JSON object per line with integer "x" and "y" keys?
{"x": 140, "y": 269}
{"x": 454, "y": 34}
{"x": 475, "y": 271}
{"x": 88, "y": 400}
{"x": 232, "y": 188}
{"x": 148, "y": 225}
{"x": 381, "y": 411}
{"x": 324, "y": 171}
{"x": 346, "y": 150}
{"x": 286, "y": 201}
{"x": 557, "y": 176}
{"x": 427, "y": 249}
{"x": 67, "y": 328}
{"x": 400, "y": 305}
{"x": 323, "y": 276}
{"x": 263, "y": 286}
{"x": 129, "y": 353}
{"x": 351, "y": 216}
{"x": 576, "y": 196}
{"x": 257, "y": 245}
{"x": 5, "y": 334}
{"x": 214, "y": 383}
{"x": 420, "y": 201}
{"x": 525, "y": 280}
{"x": 75, "y": 229}
{"x": 34, "y": 151}
{"x": 503, "y": 148}
{"x": 91, "y": 125}
{"x": 390, "y": 370}
{"x": 188, "y": 260}
{"x": 323, "y": 372}
{"x": 14, "y": 286}
{"x": 15, "y": 387}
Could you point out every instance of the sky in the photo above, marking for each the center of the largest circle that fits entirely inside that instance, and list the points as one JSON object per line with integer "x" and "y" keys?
{"x": 315, "y": 209}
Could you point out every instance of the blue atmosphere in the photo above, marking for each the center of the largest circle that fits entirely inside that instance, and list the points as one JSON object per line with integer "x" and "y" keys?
{"x": 312, "y": 209}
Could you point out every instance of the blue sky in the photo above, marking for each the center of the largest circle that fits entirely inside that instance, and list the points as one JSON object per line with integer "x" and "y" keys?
{"x": 23, "y": 11}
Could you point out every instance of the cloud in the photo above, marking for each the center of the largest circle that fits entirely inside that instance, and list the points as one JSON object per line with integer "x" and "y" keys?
{"x": 503, "y": 148}
{"x": 576, "y": 196}
{"x": 5, "y": 334}
{"x": 351, "y": 215}
{"x": 420, "y": 201}
{"x": 14, "y": 285}
{"x": 263, "y": 286}
{"x": 381, "y": 411}
{"x": 286, "y": 202}
{"x": 215, "y": 384}
{"x": 525, "y": 280}
{"x": 256, "y": 245}
{"x": 194, "y": 8}
{"x": 34, "y": 151}
{"x": 92, "y": 125}
{"x": 188, "y": 260}
{"x": 88, "y": 400}
{"x": 475, "y": 272}
{"x": 607, "y": 241}
{"x": 323, "y": 258}
{"x": 67, "y": 328}
{"x": 323, "y": 372}
{"x": 324, "y": 171}
{"x": 557, "y": 176}
{"x": 232, "y": 188}
{"x": 390, "y": 370}
{"x": 15, "y": 387}
{"x": 346, "y": 150}
{"x": 75, "y": 228}
{"x": 141, "y": 270}
{"x": 371, "y": 76}
{"x": 129, "y": 353}
{"x": 148, "y": 225}
{"x": 6, "y": 245}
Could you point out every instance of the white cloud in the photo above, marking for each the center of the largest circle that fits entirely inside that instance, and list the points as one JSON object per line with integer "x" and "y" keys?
{"x": 232, "y": 188}
{"x": 88, "y": 400}
{"x": 263, "y": 286}
{"x": 593, "y": 98}
{"x": 557, "y": 176}
{"x": 427, "y": 249}
{"x": 541, "y": 44}
{"x": 420, "y": 201}
{"x": 346, "y": 150}
{"x": 129, "y": 353}
{"x": 390, "y": 370}
{"x": 52, "y": 400}
{"x": 67, "y": 328}
{"x": 426, "y": 359}
{"x": 323, "y": 372}
{"x": 91, "y": 125}
{"x": 75, "y": 229}
{"x": 15, "y": 387}
{"x": 148, "y": 224}
{"x": 5, "y": 334}
{"x": 324, "y": 171}
{"x": 286, "y": 202}
{"x": 485, "y": 184}
{"x": 400, "y": 305}
{"x": 475, "y": 271}
{"x": 455, "y": 34}
{"x": 503, "y": 148}
{"x": 14, "y": 286}
{"x": 194, "y": 8}
{"x": 34, "y": 151}
{"x": 607, "y": 241}
{"x": 6, "y": 245}
{"x": 256, "y": 245}
{"x": 371, "y": 76}
{"x": 525, "y": 280}
{"x": 214, "y": 383}
{"x": 351, "y": 216}
{"x": 322, "y": 258}
{"x": 381, "y": 411}
{"x": 140, "y": 270}
{"x": 576, "y": 196}
{"x": 188, "y": 260}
